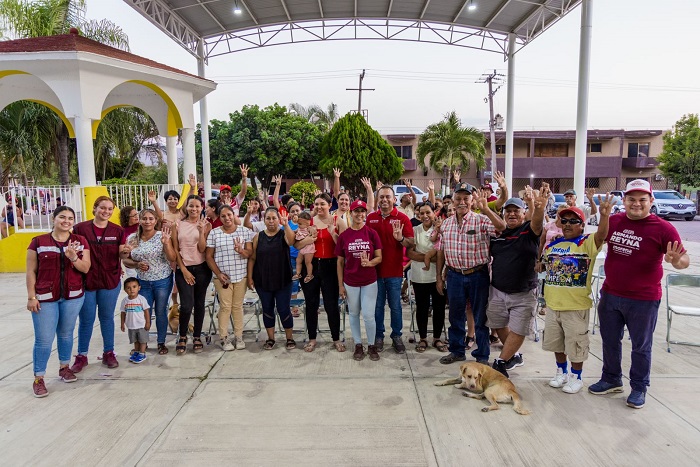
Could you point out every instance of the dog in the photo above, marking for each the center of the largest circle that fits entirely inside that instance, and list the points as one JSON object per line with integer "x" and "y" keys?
{"x": 174, "y": 319}
{"x": 481, "y": 381}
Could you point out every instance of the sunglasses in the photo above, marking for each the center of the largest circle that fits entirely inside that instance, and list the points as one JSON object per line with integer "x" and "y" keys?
{"x": 570, "y": 221}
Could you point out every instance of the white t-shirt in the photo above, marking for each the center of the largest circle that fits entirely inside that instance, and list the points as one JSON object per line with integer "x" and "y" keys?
{"x": 423, "y": 245}
{"x": 134, "y": 309}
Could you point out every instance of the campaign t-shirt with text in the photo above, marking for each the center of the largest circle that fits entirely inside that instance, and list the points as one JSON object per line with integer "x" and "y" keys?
{"x": 350, "y": 245}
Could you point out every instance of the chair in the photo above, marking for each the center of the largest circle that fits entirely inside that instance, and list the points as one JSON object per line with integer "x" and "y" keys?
{"x": 673, "y": 282}
{"x": 598, "y": 279}
{"x": 212, "y": 308}
{"x": 343, "y": 309}
{"x": 413, "y": 328}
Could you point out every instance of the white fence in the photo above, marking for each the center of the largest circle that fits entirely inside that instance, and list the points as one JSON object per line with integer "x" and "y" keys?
{"x": 33, "y": 205}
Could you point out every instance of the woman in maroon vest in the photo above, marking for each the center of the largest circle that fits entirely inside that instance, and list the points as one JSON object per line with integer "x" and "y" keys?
{"x": 56, "y": 263}
{"x": 103, "y": 281}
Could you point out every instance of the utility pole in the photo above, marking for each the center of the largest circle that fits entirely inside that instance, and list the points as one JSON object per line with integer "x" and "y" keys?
{"x": 492, "y": 78}
{"x": 359, "y": 89}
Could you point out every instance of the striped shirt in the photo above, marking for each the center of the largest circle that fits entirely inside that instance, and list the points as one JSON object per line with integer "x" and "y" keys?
{"x": 467, "y": 245}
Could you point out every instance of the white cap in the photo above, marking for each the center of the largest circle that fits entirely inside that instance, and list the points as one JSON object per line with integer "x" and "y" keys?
{"x": 638, "y": 185}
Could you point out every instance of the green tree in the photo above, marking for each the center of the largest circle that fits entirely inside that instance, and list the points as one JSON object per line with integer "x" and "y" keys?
{"x": 24, "y": 18}
{"x": 359, "y": 151}
{"x": 303, "y": 191}
{"x": 270, "y": 140}
{"x": 451, "y": 146}
{"x": 680, "y": 158}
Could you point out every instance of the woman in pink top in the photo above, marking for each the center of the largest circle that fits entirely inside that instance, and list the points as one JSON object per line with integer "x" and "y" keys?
{"x": 193, "y": 274}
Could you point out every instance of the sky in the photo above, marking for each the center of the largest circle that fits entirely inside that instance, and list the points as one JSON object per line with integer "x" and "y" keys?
{"x": 644, "y": 72}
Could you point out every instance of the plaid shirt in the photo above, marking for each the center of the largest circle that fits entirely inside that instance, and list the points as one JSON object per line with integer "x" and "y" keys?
{"x": 467, "y": 245}
{"x": 226, "y": 258}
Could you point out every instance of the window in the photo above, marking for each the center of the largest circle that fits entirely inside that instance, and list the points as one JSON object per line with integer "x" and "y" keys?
{"x": 500, "y": 149}
{"x": 638, "y": 150}
{"x": 595, "y": 147}
{"x": 552, "y": 150}
{"x": 404, "y": 152}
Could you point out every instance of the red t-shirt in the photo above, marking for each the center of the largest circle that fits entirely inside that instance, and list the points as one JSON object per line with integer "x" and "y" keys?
{"x": 215, "y": 223}
{"x": 392, "y": 251}
{"x": 350, "y": 245}
{"x": 636, "y": 249}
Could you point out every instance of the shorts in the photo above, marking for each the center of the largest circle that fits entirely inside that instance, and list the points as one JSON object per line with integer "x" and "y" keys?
{"x": 138, "y": 335}
{"x": 567, "y": 332}
{"x": 512, "y": 310}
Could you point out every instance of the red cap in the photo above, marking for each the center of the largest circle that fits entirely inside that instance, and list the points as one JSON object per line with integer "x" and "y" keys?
{"x": 575, "y": 211}
{"x": 358, "y": 204}
{"x": 224, "y": 188}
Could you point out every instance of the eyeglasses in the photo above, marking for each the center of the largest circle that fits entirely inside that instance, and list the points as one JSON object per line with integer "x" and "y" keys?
{"x": 570, "y": 221}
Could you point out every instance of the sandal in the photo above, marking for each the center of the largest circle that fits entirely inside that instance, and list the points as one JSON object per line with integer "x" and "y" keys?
{"x": 422, "y": 346}
{"x": 269, "y": 344}
{"x": 404, "y": 297}
{"x": 493, "y": 339}
{"x": 310, "y": 346}
{"x": 181, "y": 346}
{"x": 308, "y": 279}
{"x": 197, "y": 345}
{"x": 470, "y": 342}
{"x": 339, "y": 346}
{"x": 162, "y": 349}
{"x": 440, "y": 345}
{"x": 295, "y": 312}
{"x": 291, "y": 344}
{"x": 296, "y": 277}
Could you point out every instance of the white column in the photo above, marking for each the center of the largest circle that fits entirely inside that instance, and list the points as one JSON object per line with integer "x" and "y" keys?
{"x": 86, "y": 151}
{"x": 584, "y": 65}
{"x": 171, "y": 152}
{"x": 510, "y": 113}
{"x": 204, "y": 120}
{"x": 189, "y": 165}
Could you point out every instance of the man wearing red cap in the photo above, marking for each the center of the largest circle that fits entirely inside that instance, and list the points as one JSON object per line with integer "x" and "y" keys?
{"x": 637, "y": 241}
{"x": 567, "y": 291}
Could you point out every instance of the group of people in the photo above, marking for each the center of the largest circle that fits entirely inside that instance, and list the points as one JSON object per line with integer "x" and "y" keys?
{"x": 473, "y": 254}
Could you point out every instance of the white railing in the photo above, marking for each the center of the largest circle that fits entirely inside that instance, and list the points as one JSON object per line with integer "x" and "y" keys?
{"x": 137, "y": 195}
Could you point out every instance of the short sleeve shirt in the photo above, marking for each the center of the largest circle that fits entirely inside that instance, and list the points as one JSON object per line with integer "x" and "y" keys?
{"x": 350, "y": 245}
{"x": 392, "y": 251}
{"x": 568, "y": 278}
{"x": 151, "y": 251}
{"x": 226, "y": 258}
{"x": 134, "y": 309}
{"x": 633, "y": 265}
{"x": 466, "y": 244}
{"x": 423, "y": 245}
{"x": 514, "y": 255}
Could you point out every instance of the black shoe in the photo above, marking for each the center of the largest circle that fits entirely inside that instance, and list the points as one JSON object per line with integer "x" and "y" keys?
{"x": 451, "y": 358}
{"x": 379, "y": 344}
{"x": 500, "y": 366}
{"x": 398, "y": 345}
{"x": 515, "y": 361}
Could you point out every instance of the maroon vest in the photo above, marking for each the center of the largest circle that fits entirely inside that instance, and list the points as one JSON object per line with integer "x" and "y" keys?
{"x": 56, "y": 277}
{"x": 106, "y": 266}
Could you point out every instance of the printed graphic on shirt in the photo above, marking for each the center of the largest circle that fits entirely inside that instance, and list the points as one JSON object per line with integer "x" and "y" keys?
{"x": 624, "y": 242}
{"x": 134, "y": 306}
{"x": 568, "y": 270}
{"x": 359, "y": 246}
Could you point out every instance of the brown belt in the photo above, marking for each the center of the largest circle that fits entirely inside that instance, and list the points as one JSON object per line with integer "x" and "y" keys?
{"x": 466, "y": 272}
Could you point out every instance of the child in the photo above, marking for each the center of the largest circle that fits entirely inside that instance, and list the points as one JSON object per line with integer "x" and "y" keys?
{"x": 136, "y": 317}
{"x": 435, "y": 239}
{"x": 306, "y": 254}
{"x": 567, "y": 293}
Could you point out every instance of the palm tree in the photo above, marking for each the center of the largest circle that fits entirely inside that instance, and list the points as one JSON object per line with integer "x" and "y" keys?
{"x": 451, "y": 146}
{"x": 325, "y": 119}
{"x": 25, "y": 18}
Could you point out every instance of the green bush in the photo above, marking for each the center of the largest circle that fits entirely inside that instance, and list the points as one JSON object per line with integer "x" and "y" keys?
{"x": 303, "y": 190}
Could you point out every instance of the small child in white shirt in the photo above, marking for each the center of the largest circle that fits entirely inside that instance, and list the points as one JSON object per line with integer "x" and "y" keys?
{"x": 136, "y": 318}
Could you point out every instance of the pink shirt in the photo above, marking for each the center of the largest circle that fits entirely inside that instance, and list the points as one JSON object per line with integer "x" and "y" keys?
{"x": 350, "y": 245}
{"x": 187, "y": 237}
{"x": 636, "y": 248}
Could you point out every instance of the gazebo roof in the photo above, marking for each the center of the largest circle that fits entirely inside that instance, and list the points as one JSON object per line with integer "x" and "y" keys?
{"x": 263, "y": 23}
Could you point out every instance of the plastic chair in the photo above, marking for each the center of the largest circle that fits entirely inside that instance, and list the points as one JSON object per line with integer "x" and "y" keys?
{"x": 598, "y": 279}
{"x": 674, "y": 281}
{"x": 343, "y": 309}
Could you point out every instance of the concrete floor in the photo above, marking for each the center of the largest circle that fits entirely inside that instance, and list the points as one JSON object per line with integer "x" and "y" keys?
{"x": 280, "y": 407}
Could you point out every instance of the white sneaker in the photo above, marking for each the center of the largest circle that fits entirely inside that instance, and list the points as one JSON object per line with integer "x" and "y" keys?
{"x": 240, "y": 345}
{"x": 573, "y": 386}
{"x": 226, "y": 344}
{"x": 560, "y": 379}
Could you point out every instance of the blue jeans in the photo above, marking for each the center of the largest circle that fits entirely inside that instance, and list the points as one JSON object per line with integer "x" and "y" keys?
{"x": 280, "y": 298}
{"x": 55, "y": 319}
{"x": 158, "y": 291}
{"x": 362, "y": 300}
{"x": 614, "y": 313}
{"x": 475, "y": 288}
{"x": 389, "y": 290}
{"x": 102, "y": 302}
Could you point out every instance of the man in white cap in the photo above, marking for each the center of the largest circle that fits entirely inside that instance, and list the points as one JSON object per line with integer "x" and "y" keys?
{"x": 637, "y": 242}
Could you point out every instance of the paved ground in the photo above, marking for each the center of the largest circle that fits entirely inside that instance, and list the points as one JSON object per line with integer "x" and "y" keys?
{"x": 254, "y": 407}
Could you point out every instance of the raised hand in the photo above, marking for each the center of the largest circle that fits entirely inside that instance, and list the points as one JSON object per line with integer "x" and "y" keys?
{"x": 379, "y": 185}
{"x": 277, "y": 179}
{"x": 337, "y": 172}
{"x": 541, "y": 197}
{"x": 528, "y": 193}
{"x": 165, "y": 234}
{"x": 71, "y": 251}
{"x": 244, "y": 170}
{"x": 480, "y": 200}
{"x": 283, "y": 219}
{"x": 407, "y": 183}
{"x": 364, "y": 259}
{"x": 192, "y": 181}
{"x": 589, "y": 194}
{"x": 367, "y": 183}
{"x": 238, "y": 244}
{"x": 674, "y": 252}
{"x": 398, "y": 234}
{"x": 203, "y": 226}
{"x": 431, "y": 185}
{"x": 500, "y": 178}
{"x": 317, "y": 192}
{"x": 457, "y": 174}
{"x": 605, "y": 206}
{"x": 152, "y": 197}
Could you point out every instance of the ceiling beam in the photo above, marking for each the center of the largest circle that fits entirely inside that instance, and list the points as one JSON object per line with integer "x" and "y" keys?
{"x": 216, "y": 20}
{"x": 255, "y": 20}
{"x": 320, "y": 8}
{"x": 529, "y": 16}
{"x": 461, "y": 9}
{"x": 498, "y": 12}
{"x": 391, "y": 4}
{"x": 425, "y": 8}
{"x": 286, "y": 11}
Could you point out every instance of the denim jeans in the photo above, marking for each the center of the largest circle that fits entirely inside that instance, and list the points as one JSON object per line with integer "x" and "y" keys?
{"x": 389, "y": 290}
{"x": 158, "y": 292}
{"x": 192, "y": 297}
{"x": 614, "y": 313}
{"x": 55, "y": 319}
{"x": 269, "y": 299}
{"x": 362, "y": 300}
{"x": 102, "y": 302}
{"x": 475, "y": 288}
